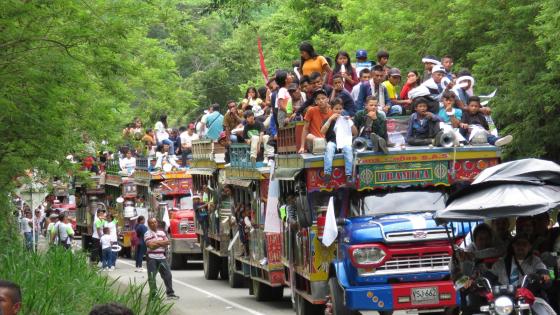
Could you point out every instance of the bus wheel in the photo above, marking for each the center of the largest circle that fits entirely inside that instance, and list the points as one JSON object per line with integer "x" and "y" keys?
{"x": 337, "y": 299}
{"x": 211, "y": 265}
{"x": 303, "y": 307}
{"x": 235, "y": 280}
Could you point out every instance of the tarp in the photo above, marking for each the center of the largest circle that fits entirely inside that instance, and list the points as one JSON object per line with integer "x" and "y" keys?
{"x": 282, "y": 173}
{"x": 200, "y": 171}
{"x": 520, "y": 188}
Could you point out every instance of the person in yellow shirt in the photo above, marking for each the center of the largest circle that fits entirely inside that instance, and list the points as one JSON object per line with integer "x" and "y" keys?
{"x": 391, "y": 84}
{"x": 311, "y": 62}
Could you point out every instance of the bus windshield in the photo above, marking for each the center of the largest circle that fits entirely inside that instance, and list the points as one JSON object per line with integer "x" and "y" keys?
{"x": 403, "y": 202}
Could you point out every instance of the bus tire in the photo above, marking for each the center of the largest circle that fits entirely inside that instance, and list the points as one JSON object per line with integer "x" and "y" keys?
{"x": 303, "y": 307}
{"x": 211, "y": 265}
{"x": 337, "y": 299}
{"x": 235, "y": 280}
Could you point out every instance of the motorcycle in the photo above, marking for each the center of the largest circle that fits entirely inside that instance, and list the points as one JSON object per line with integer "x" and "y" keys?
{"x": 508, "y": 299}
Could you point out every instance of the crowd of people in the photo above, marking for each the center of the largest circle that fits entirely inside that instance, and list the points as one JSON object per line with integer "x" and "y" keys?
{"x": 338, "y": 100}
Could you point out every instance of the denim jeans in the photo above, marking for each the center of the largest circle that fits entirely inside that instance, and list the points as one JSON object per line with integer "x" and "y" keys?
{"x": 113, "y": 257}
{"x": 106, "y": 257}
{"x": 329, "y": 156}
{"x": 161, "y": 266}
{"x": 28, "y": 240}
{"x": 491, "y": 139}
{"x": 140, "y": 252}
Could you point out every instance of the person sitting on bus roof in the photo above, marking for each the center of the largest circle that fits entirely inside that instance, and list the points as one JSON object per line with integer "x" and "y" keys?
{"x": 423, "y": 125}
{"x": 448, "y": 111}
{"x": 330, "y": 129}
{"x": 372, "y": 125}
{"x": 340, "y": 92}
{"x": 314, "y": 119}
{"x": 447, "y": 63}
{"x": 383, "y": 60}
{"x": 128, "y": 163}
{"x": 233, "y": 119}
{"x": 429, "y": 62}
{"x": 436, "y": 85}
{"x": 344, "y": 68}
{"x": 162, "y": 136}
{"x": 283, "y": 97}
{"x": 213, "y": 124}
{"x": 164, "y": 158}
{"x": 412, "y": 81}
{"x": 298, "y": 99}
{"x": 364, "y": 77}
{"x": 375, "y": 87}
{"x": 187, "y": 137}
{"x": 254, "y": 134}
{"x": 391, "y": 84}
{"x": 311, "y": 61}
{"x": 473, "y": 116}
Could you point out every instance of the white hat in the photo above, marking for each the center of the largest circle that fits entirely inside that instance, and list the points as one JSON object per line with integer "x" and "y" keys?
{"x": 462, "y": 81}
{"x": 431, "y": 59}
{"x": 418, "y": 91}
{"x": 438, "y": 68}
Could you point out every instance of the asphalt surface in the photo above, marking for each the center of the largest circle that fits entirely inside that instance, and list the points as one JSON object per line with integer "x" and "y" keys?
{"x": 200, "y": 296}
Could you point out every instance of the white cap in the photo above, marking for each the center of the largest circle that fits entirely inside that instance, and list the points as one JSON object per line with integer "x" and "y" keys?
{"x": 438, "y": 68}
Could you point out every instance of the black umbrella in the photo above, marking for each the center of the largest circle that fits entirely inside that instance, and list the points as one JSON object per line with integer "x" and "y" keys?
{"x": 520, "y": 188}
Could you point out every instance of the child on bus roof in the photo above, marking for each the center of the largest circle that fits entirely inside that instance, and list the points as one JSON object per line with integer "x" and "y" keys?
{"x": 423, "y": 125}
{"x": 473, "y": 116}
{"x": 448, "y": 110}
{"x": 338, "y": 131}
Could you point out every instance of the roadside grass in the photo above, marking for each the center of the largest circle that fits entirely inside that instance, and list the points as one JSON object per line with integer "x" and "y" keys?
{"x": 62, "y": 283}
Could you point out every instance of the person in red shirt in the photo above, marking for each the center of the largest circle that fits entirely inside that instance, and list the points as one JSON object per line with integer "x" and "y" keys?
{"x": 314, "y": 119}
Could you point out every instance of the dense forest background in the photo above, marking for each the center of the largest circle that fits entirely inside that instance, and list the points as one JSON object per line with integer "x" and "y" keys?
{"x": 68, "y": 67}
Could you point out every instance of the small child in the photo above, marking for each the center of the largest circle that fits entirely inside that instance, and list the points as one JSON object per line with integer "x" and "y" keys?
{"x": 448, "y": 110}
{"x": 423, "y": 125}
{"x": 106, "y": 251}
{"x": 473, "y": 116}
{"x": 330, "y": 129}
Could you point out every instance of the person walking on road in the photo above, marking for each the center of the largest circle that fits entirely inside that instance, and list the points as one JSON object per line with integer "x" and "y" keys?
{"x": 157, "y": 242}
{"x": 141, "y": 247}
{"x": 98, "y": 225}
{"x": 62, "y": 232}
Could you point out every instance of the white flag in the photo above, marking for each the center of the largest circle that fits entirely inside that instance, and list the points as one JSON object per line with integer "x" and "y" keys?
{"x": 166, "y": 218}
{"x": 331, "y": 230}
{"x": 272, "y": 222}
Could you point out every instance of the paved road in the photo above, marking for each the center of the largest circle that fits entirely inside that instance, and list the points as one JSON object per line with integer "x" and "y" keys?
{"x": 201, "y": 296}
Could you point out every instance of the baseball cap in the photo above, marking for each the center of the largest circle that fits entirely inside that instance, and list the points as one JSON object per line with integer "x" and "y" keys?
{"x": 292, "y": 87}
{"x": 394, "y": 72}
{"x": 438, "y": 68}
{"x": 361, "y": 53}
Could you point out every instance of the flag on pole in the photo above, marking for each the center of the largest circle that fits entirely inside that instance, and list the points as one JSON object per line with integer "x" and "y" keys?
{"x": 261, "y": 60}
{"x": 331, "y": 230}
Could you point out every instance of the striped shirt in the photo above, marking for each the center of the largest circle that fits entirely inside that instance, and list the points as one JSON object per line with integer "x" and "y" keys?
{"x": 158, "y": 253}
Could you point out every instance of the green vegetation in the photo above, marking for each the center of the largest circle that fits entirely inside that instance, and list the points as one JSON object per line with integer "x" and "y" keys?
{"x": 59, "y": 282}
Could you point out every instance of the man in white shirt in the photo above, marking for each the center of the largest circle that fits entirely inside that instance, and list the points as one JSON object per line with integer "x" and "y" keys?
{"x": 187, "y": 138}
{"x": 112, "y": 224}
{"x": 128, "y": 163}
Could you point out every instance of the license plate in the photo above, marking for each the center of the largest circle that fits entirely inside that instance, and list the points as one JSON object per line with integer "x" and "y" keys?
{"x": 422, "y": 296}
